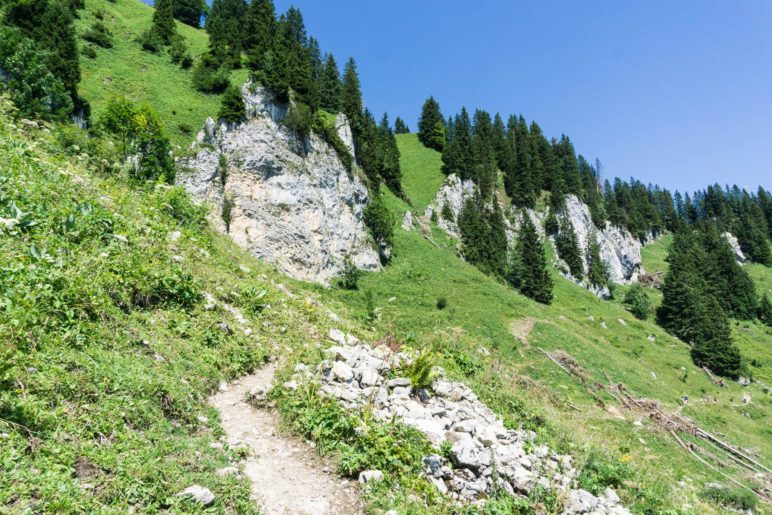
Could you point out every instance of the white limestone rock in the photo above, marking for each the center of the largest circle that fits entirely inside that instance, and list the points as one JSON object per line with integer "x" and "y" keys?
{"x": 291, "y": 200}
{"x": 452, "y": 193}
{"x": 738, "y": 253}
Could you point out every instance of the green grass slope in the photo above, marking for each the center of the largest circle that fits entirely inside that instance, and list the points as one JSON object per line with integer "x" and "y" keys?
{"x": 492, "y": 337}
{"x": 108, "y": 348}
{"x": 127, "y": 70}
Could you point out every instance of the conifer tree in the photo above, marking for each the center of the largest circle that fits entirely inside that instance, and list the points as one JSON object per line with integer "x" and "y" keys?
{"x": 728, "y": 282}
{"x": 259, "y": 28}
{"x": 597, "y": 271}
{"x": 232, "y": 109}
{"x": 530, "y": 273}
{"x": 765, "y": 310}
{"x": 568, "y": 247}
{"x": 431, "y": 126}
{"x": 400, "y": 127}
{"x": 483, "y": 236}
{"x": 330, "y": 85}
{"x": 189, "y": 11}
{"x": 499, "y": 141}
{"x": 351, "y": 97}
{"x": 369, "y": 151}
{"x": 163, "y": 21}
{"x": 224, "y": 26}
{"x": 390, "y": 170}
{"x": 457, "y": 157}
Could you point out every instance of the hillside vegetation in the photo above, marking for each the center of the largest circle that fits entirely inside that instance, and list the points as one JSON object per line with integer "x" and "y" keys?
{"x": 493, "y": 338}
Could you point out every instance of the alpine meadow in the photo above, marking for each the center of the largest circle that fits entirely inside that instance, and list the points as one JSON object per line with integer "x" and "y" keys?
{"x": 228, "y": 286}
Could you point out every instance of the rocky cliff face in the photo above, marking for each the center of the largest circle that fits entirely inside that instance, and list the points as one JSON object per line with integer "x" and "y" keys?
{"x": 448, "y": 203}
{"x": 287, "y": 200}
{"x": 618, "y": 249}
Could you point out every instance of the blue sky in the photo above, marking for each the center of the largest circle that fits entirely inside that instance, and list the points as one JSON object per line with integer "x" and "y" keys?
{"x": 676, "y": 93}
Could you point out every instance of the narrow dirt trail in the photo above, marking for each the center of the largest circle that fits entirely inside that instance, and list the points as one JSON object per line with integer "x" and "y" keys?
{"x": 287, "y": 476}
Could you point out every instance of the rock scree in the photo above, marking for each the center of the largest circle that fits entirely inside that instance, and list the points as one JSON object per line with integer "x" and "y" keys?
{"x": 481, "y": 448}
{"x": 286, "y": 474}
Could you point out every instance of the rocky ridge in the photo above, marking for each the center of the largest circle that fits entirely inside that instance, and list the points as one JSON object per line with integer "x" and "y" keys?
{"x": 286, "y": 199}
{"x": 483, "y": 455}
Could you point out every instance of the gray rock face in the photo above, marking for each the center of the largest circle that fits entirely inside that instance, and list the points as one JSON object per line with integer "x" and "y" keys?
{"x": 287, "y": 200}
{"x": 618, "y": 249}
{"x": 738, "y": 253}
{"x": 452, "y": 193}
{"x": 479, "y": 442}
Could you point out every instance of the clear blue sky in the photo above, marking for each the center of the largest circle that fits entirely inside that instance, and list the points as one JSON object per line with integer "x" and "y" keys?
{"x": 677, "y": 93}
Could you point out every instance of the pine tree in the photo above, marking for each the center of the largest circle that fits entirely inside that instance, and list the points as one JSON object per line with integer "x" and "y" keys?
{"x": 189, "y": 12}
{"x": 457, "y": 156}
{"x": 330, "y": 86}
{"x": 351, "y": 97}
{"x": 530, "y": 267}
{"x": 714, "y": 347}
{"x": 597, "y": 271}
{"x": 163, "y": 21}
{"x": 390, "y": 170}
{"x": 259, "y": 28}
{"x": 431, "y": 126}
{"x": 568, "y": 247}
{"x": 232, "y": 109}
{"x": 483, "y": 236}
{"x": 400, "y": 127}
{"x": 369, "y": 151}
{"x": 224, "y": 26}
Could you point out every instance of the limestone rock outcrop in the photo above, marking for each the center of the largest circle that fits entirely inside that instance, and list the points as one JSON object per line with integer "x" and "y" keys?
{"x": 448, "y": 203}
{"x": 286, "y": 199}
{"x": 732, "y": 240}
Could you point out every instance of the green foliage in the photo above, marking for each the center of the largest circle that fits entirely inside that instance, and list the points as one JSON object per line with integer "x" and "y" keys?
{"x": 349, "y": 278}
{"x": 224, "y": 24}
{"x": 189, "y": 11}
{"x": 178, "y": 51}
{"x": 568, "y": 247}
{"x": 421, "y": 370}
{"x": 259, "y": 27}
{"x": 330, "y": 89}
{"x": 730, "y": 497}
{"x": 150, "y": 41}
{"x": 482, "y": 233}
{"x": 30, "y": 82}
{"x": 139, "y": 133}
{"x": 99, "y": 35}
{"x": 527, "y": 269}
{"x": 209, "y": 75}
{"x": 351, "y": 97}
{"x": 441, "y": 303}
{"x": 601, "y": 471}
{"x": 400, "y": 127}
{"x": 447, "y": 212}
{"x": 597, "y": 270}
{"x": 178, "y": 205}
{"x": 431, "y": 126}
{"x": 637, "y": 301}
{"x": 232, "y": 108}
{"x": 254, "y": 299}
{"x": 163, "y": 21}
{"x": 89, "y": 52}
{"x": 380, "y": 221}
{"x": 299, "y": 119}
{"x": 324, "y": 126}
{"x": 765, "y": 310}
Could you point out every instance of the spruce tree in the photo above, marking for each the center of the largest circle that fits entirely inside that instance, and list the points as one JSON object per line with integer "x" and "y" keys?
{"x": 259, "y": 28}
{"x": 189, "y": 11}
{"x": 568, "y": 247}
{"x": 457, "y": 156}
{"x": 530, "y": 267}
{"x": 390, "y": 170}
{"x": 232, "y": 109}
{"x": 597, "y": 271}
{"x": 351, "y": 97}
{"x": 224, "y": 26}
{"x": 163, "y": 21}
{"x": 431, "y": 126}
{"x": 400, "y": 127}
{"x": 765, "y": 310}
{"x": 483, "y": 236}
{"x": 330, "y": 86}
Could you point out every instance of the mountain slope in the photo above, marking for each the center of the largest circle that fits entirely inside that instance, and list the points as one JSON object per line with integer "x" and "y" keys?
{"x": 127, "y": 70}
{"x": 520, "y": 382}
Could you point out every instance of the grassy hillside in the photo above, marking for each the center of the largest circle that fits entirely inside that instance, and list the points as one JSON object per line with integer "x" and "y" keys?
{"x": 492, "y": 337}
{"x": 129, "y": 71}
{"x": 108, "y": 342}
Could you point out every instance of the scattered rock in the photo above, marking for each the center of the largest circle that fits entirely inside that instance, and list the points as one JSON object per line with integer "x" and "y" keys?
{"x": 337, "y": 336}
{"x": 227, "y": 471}
{"x": 198, "y": 494}
{"x": 407, "y": 221}
{"x": 369, "y": 476}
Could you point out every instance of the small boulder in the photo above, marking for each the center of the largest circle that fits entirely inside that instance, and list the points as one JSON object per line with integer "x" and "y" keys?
{"x": 198, "y": 494}
{"x": 369, "y": 476}
{"x": 342, "y": 371}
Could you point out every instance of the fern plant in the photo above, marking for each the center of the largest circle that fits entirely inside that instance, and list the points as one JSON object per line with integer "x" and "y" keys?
{"x": 421, "y": 371}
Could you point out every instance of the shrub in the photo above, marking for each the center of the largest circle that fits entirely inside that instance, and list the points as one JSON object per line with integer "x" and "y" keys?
{"x": 254, "y": 299}
{"x": 99, "y": 35}
{"x": 442, "y": 303}
{"x": 89, "y": 51}
{"x": 447, "y": 212}
{"x": 178, "y": 204}
{"x": 150, "y": 41}
{"x": 299, "y": 119}
{"x": 601, "y": 471}
{"x": 328, "y": 133}
{"x": 380, "y": 221}
{"x": 349, "y": 277}
{"x": 637, "y": 302}
{"x": 232, "y": 108}
{"x": 209, "y": 76}
{"x": 730, "y": 497}
{"x": 178, "y": 51}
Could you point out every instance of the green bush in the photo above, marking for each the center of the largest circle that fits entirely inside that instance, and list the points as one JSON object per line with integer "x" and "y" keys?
{"x": 637, "y": 302}
{"x": 178, "y": 205}
{"x": 178, "y": 51}
{"x": 299, "y": 119}
{"x": 232, "y": 109}
{"x": 327, "y": 132}
{"x": 99, "y": 35}
{"x": 601, "y": 471}
{"x": 349, "y": 277}
{"x": 730, "y": 497}
{"x": 150, "y": 41}
{"x": 447, "y": 212}
{"x": 442, "y": 303}
{"x": 380, "y": 221}
{"x": 89, "y": 52}
{"x": 421, "y": 371}
{"x": 209, "y": 75}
